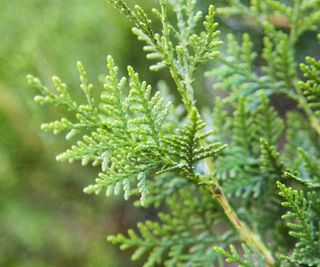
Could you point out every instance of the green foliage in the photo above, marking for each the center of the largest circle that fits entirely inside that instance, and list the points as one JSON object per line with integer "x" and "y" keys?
{"x": 209, "y": 194}
{"x": 236, "y": 71}
{"x": 300, "y": 134}
{"x": 128, "y": 138}
{"x": 240, "y": 74}
{"x": 125, "y": 132}
{"x": 311, "y": 87}
{"x": 303, "y": 222}
{"x": 184, "y": 237}
{"x": 298, "y": 15}
{"x": 249, "y": 258}
{"x": 179, "y": 48}
{"x": 247, "y": 168}
{"x": 187, "y": 148}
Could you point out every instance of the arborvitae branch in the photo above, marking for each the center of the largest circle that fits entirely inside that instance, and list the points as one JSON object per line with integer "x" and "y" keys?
{"x": 175, "y": 161}
{"x": 164, "y": 47}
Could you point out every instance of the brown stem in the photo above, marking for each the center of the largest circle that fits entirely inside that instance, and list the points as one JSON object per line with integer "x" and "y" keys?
{"x": 315, "y": 124}
{"x": 249, "y": 237}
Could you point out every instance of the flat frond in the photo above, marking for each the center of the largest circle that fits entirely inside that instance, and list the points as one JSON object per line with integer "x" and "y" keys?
{"x": 189, "y": 146}
{"x": 303, "y": 225}
{"x": 121, "y": 134}
{"x": 182, "y": 238}
{"x": 311, "y": 87}
{"x": 250, "y": 258}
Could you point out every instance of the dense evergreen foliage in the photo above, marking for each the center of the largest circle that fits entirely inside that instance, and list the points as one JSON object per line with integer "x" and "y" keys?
{"x": 239, "y": 184}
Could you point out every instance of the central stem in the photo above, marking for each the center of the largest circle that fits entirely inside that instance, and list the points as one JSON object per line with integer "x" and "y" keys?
{"x": 249, "y": 237}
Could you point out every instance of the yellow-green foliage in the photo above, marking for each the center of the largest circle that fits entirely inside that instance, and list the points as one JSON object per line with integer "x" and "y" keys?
{"x": 220, "y": 185}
